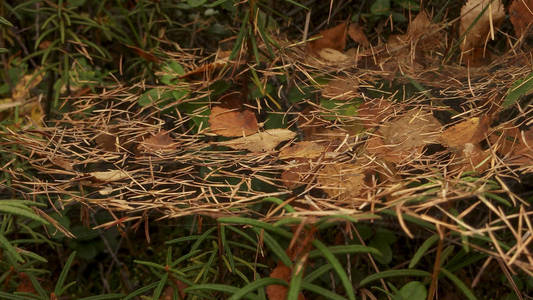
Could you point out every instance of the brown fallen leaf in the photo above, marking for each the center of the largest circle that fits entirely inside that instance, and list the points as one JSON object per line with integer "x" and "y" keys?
{"x": 106, "y": 141}
{"x": 476, "y": 30}
{"x": 416, "y": 48}
{"x": 342, "y": 181}
{"x": 344, "y": 88}
{"x": 111, "y": 175}
{"x": 406, "y": 136}
{"x": 472, "y": 131}
{"x": 333, "y": 38}
{"x": 304, "y": 149}
{"x": 470, "y": 158}
{"x": 357, "y": 34}
{"x": 276, "y": 291}
{"x": 144, "y": 54}
{"x": 25, "y": 285}
{"x": 296, "y": 175}
{"x": 372, "y": 113}
{"x": 260, "y": 142}
{"x": 521, "y": 16}
{"x": 231, "y": 123}
{"x": 161, "y": 141}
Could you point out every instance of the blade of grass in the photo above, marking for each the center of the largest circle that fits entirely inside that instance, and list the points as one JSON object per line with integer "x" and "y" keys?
{"x": 256, "y": 285}
{"x": 422, "y": 250}
{"x": 59, "y": 288}
{"x": 394, "y": 273}
{"x": 344, "y": 249}
{"x": 460, "y": 285}
{"x": 327, "y": 294}
{"x": 275, "y": 247}
{"x": 337, "y": 267}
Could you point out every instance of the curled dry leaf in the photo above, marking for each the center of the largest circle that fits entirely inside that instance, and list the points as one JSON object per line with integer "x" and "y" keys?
{"x": 342, "y": 181}
{"x": 260, "y": 142}
{"x": 344, "y": 88}
{"x": 111, "y": 175}
{"x": 472, "y": 131}
{"x": 521, "y": 15}
{"x": 357, "y": 34}
{"x": 333, "y": 55}
{"x": 231, "y": 123}
{"x": 406, "y": 136}
{"x": 473, "y": 44}
{"x": 305, "y": 149}
{"x": 162, "y": 141}
{"x": 221, "y": 59}
{"x": 333, "y": 38}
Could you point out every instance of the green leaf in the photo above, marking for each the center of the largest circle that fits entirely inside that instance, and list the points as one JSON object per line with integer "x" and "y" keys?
{"x": 520, "y": 88}
{"x": 337, "y": 267}
{"x": 104, "y": 297}
{"x": 149, "y": 97}
{"x": 408, "y": 4}
{"x": 422, "y": 250}
{"x": 3, "y": 50}
{"x": 462, "y": 287}
{"x": 413, "y": 290}
{"x": 380, "y": 8}
{"x": 385, "y": 256}
{"x": 394, "y": 273}
{"x": 196, "y": 3}
{"x": 175, "y": 67}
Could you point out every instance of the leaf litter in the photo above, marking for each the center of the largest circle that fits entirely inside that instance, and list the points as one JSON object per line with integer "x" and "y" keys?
{"x": 363, "y": 143}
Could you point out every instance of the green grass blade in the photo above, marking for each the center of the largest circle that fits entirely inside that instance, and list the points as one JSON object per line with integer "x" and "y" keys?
{"x": 104, "y": 297}
{"x": 296, "y": 280}
{"x": 327, "y": 294}
{"x": 4, "y": 243}
{"x": 317, "y": 273}
{"x": 394, "y": 273}
{"x": 25, "y": 212}
{"x": 141, "y": 291}
{"x": 160, "y": 286}
{"x": 255, "y": 223}
{"x": 460, "y": 285}
{"x": 346, "y": 249}
{"x": 275, "y": 247}
{"x": 58, "y": 290}
{"x": 330, "y": 257}
{"x": 278, "y": 201}
{"x": 422, "y": 250}
{"x": 256, "y": 285}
